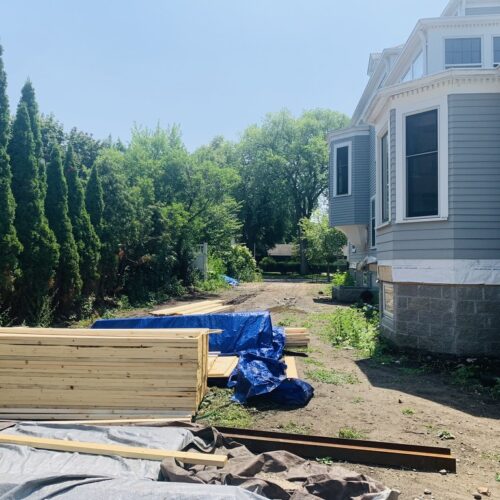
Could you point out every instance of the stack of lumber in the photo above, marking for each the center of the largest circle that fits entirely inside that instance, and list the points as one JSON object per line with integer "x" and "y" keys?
{"x": 201, "y": 307}
{"x": 102, "y": 374}
{"x": 297, "y": 337}
{"x": 223, "y": 366}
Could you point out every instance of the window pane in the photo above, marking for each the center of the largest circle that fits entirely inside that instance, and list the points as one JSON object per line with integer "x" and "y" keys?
{"x": 421, "y": 133}
{"x": 462, "y": 51}
{"x": 422, "y": 185}
{"x": 496, "y": 49}
{"x": 343, "y": 170}
{"x": 384, "y": 150}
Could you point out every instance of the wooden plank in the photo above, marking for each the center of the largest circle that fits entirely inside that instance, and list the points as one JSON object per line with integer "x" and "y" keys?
{"x": 111, "y": 332}
{"x": 114, "y": 450}
{"x": 291, "y": 367}
{"x": 223, "y": 367}
{"x": 173, "y": 310}
{"x": 121, "y": 421}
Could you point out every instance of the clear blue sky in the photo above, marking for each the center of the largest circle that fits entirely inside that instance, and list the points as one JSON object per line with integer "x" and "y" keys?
{"x": 212, "y": 66}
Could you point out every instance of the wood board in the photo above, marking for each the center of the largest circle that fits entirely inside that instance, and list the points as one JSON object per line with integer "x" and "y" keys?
{"x": 200, "y": 307}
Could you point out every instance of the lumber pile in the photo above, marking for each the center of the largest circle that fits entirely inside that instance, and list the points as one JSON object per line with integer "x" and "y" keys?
{"x": 297, "y": 337}
{"x": 223, "y": 366}
{"x": 84, "y": 374}
{"x": 200, "y": 307}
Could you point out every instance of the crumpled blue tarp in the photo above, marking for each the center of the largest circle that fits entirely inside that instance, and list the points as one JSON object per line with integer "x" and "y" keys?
{"x": 230, "y": 281}
{"x": 249, "y": 335}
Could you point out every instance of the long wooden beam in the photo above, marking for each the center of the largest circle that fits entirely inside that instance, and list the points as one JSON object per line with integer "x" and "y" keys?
{"x": 351, "y": 450}
{"x": 114, "y": 450}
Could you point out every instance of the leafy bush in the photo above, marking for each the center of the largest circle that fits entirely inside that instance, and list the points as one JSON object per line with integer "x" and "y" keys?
{"x": 349, "y": 327}
{"x": 342, "y": 279}
{"x": 267, "y": 262}
{"x": 240, "y": 264}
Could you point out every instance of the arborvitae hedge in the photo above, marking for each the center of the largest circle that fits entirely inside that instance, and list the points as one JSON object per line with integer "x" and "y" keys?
{"x": 68, "y": 280}
{"x": 10, "y": 247}
{"x": 94, "y": 200}
{"x": 86, "y": 238}
{"x": 41, "y": 253}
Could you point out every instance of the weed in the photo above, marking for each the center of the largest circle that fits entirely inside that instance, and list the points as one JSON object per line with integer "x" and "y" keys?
{"x": 497, "y": 477}
{"x": 325, "y": 460}
{"x": 333, "y": 377}
{"x": 351, "y": 433}
{"x": 408, "y": 411}
{"x": 342, "y": 279}
{"x": 348, "y": 327}
{"x": 491, "y": 455}
{"x": 218, "y": 409}
{"x": 293, "y": 428}
{"x": 358, "y": 400}
{"x": 445, "y": 435}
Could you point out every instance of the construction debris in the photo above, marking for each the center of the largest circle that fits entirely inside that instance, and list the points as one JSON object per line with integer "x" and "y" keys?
{"x": 297, "y": 337}
{"x": 58, "y": 374}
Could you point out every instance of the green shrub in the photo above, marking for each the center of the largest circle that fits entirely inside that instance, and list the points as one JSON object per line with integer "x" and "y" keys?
{"x": 348, "y": 327}
{"x": 240, "y": 264}
{"x": 342, "y": 279}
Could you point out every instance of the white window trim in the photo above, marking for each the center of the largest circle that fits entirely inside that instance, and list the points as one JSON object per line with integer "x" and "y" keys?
{"x": 451, "y": 66}
{"x": 385, "y": 129}
{"x": 411, "y": 68}
{"x": 415, "y": 107}
{"x": 373, "y": 202}
{"x": 349, "y": 168}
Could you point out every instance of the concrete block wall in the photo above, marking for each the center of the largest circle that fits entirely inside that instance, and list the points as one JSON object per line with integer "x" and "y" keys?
{"x": 450, "y": 319}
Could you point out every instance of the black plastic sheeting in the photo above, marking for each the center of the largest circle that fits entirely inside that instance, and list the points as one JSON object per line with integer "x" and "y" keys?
{"x": 251, "y": 336}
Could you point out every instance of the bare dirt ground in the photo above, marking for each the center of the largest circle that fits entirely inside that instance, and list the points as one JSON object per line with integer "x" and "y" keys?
{"x": 388, "y": 404}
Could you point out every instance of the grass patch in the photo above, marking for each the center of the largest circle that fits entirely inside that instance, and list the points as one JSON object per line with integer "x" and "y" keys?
{"x": 218, "y": 409}
{"x": 293, "y": 428}
{"x": 408, "y": 411}
{"x": 333, "y": 377}
{"x": 313, "y": 362}
{"x": 358, "y": 400}
{"x": 351, "y": 433}
{"x": 491, "y": 455}
{"x": 325, "y": 460}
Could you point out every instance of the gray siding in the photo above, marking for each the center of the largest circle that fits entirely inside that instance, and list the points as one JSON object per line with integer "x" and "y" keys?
{"x": 472, "y": 230}
{"x": 353, "y": 209}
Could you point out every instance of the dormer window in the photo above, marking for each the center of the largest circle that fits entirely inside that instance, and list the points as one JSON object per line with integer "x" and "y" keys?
{"x": 463, "y": 53}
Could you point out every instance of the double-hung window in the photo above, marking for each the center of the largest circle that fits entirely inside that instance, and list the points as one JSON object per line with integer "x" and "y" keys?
{"x": 496, "y": 51}
{"x": 463, "y": 53}
{"x": 342, "y": 167}
{"x": 422, "y": 175}
{"x": 385, "y": 182}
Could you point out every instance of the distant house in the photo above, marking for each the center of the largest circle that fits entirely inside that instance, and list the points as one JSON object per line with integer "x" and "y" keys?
{"x": 415, "y": 182}
{"x": 281, "y": 251}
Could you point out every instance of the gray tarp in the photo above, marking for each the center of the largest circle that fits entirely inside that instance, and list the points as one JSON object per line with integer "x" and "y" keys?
{"x": 31, "y": 474}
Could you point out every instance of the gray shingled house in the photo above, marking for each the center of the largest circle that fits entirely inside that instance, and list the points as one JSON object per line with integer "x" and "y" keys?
{"x": 415, "y": 183}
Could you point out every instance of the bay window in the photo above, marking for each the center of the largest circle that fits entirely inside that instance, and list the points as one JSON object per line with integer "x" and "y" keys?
{"x": 342, "y": 170}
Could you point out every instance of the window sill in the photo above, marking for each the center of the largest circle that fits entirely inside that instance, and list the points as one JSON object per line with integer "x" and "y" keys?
{"x": 421, "y": 219}
{"x": 341, "y": 195}
{"x": 385, "y": 224}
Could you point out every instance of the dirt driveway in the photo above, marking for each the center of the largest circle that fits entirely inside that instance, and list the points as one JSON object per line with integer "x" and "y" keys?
{"x": 386, "y": 403}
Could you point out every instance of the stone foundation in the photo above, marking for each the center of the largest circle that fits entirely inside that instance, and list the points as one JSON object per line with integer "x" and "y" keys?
{"x": 462, "y": 320}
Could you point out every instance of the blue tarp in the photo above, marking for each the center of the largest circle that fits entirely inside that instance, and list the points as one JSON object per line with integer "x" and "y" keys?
{"x": 250, "y": 336}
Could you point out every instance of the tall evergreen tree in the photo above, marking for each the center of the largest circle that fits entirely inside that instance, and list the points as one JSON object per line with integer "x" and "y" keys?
{"x": 29, "y": 98}
{"x": 10, "y": 247}
{"x": 68, "y": 280}
{"x": 41, "y": 253}
{"x": 85, "y": 236}
{"x": 94, "y": 199}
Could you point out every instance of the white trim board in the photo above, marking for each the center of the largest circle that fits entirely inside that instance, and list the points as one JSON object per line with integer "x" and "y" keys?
{"x": 445, "y": 272}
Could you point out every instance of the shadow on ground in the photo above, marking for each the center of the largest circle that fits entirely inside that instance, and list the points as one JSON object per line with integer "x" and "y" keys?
{"x": 433, "y": 387}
